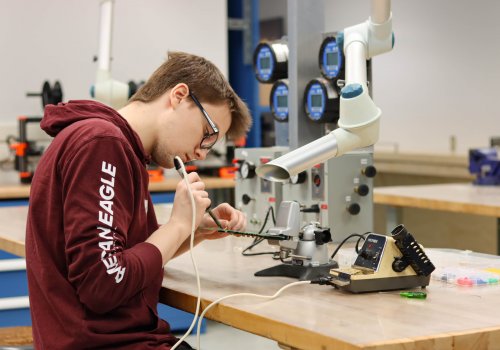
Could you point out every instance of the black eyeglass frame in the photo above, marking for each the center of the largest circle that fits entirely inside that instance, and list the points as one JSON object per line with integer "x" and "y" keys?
{"x": 215, "y": 130}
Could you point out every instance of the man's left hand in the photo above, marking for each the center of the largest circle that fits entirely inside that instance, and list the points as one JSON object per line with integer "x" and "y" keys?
{"x": 230, "y": 219}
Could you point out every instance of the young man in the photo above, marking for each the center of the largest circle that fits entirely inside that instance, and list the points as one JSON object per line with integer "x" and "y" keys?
{"x": 94, "y": 250}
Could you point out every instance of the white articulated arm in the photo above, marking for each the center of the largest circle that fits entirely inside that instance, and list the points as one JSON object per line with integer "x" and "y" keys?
{"x": 106, "y": 90}
{"x": 359, "y": 116}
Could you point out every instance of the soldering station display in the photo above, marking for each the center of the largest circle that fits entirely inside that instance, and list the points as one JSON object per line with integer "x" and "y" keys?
{"x": 279, "y": 100}
{"x": 270, "y": 61}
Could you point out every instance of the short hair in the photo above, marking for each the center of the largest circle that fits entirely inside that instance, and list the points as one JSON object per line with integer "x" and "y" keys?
{"x": 205, "y": 81}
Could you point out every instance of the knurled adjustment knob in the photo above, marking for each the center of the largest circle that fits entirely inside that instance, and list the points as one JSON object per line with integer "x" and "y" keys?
{"x": 362, "y": 190}
{"x": 366, "y": 255}
{"x": 354, "y": 208}
{"x": 369, "y": 171}
{"x": 247, "y": 170}
{"x": 398, "y": 265}
{"x": 246, "y": 199}
{"x": 300, "y": 178}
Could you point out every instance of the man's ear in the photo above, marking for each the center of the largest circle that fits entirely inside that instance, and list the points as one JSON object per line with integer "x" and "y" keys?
{"x": 178, "y": 93}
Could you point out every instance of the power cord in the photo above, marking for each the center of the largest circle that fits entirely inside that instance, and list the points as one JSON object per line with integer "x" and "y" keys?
{"x": 361, "y": 237}
{"x": 270, "y": 297}
{"x": 182, "y": 171}
{"x": 258, "y": 240}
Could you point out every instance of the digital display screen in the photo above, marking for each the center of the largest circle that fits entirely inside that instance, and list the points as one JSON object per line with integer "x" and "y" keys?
{"x": 332, "y": 59}
{"x": 282, "y": 101}
{"x": 265, "y": 63}
{"x": 316, "y": 100}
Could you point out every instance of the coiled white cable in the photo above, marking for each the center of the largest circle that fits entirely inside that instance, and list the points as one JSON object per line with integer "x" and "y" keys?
{"x": 270, "y": 297}
{"x": 183, "y": 173}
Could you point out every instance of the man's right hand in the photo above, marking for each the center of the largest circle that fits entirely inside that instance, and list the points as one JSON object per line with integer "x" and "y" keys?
{"x": 182, "y": 209}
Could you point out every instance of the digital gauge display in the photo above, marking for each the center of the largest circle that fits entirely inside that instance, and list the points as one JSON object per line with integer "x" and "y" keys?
{"x": 321, "y": 101}
{"x": 279, "y": 100}
{"x": 270, "y": 61}
{"x": 331, "y": 57}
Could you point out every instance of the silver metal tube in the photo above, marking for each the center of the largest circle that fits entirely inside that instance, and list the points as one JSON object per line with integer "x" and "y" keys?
{"x": 380, "y": 11}
{"x": 300, "y": 159}
{"x": 105, "y": 28}
{"x": 355, "y": 56}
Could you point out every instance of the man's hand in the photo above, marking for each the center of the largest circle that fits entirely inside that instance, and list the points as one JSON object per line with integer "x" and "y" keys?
{"x": 229, "y": 218}
{"x": 182, "y": 209}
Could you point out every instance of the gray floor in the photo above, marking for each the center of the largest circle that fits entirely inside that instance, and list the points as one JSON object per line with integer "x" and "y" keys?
{"x": 221, "y": 337}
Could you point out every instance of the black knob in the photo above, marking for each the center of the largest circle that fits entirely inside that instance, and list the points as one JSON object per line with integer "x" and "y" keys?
{"x": 322, "y": 236}
{"x": 362, "y": 190}
{"x": 300, "y": 178}
{"x": 246, "y": 199}
{"x": 247, "y": 170}
{"x": 366, "y": 255}
{"x": 312, "y": 209}
{"x": 398, "y": 265}
{"x": 354, "y": 209}
{"x": 369, "y": 171}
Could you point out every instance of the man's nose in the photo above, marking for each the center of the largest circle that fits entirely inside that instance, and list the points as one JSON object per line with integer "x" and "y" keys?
{"x": 201, "y": 154}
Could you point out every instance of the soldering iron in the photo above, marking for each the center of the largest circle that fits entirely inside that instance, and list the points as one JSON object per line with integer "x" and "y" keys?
{"x": 209, "y": 211}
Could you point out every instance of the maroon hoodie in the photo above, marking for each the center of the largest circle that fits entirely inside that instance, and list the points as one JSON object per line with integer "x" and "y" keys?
{"x": 93, "y": 280}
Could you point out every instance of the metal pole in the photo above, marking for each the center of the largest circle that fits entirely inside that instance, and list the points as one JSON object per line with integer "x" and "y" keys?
{"x": 305, "y": 25}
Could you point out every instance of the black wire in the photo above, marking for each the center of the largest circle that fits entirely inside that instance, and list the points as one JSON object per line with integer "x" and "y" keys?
{"x": 258, "y": 240}
{"x": 359, "y": 240}
{"x": 272, "y": 213}
{"x": 269, "y": 210}
{"x": 345, "y": 240}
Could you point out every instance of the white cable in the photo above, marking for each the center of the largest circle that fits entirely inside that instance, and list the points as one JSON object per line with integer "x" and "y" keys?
{"x": 242, "y": 295}
{"x": 198, "y": 299}
{"x": 191, "y": 245}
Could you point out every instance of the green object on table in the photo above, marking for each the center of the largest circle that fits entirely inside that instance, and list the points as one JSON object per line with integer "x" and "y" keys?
{"x": 414, "y": 295}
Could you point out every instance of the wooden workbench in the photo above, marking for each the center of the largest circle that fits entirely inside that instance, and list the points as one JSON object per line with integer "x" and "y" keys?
{"x": 464, "y": 198}
{"x": 13, "y": 229}
{"x": 460, "y": 198}
{"x": 314, "y": 317}
{"x": 19, "y": 191}
{"x": 424, "y": 165}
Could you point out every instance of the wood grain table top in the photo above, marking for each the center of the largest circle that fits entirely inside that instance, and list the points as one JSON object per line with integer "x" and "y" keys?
{"x": 454, "y": 197}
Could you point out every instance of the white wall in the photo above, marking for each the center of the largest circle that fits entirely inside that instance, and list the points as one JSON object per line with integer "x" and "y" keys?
{"x": 442, "y": 77}
{"x": 57, "y": 39}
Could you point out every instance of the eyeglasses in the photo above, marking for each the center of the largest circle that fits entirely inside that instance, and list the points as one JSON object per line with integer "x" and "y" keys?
{"x": 209, "y": 139}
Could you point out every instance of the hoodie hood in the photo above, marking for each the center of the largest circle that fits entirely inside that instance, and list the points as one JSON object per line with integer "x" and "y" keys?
{"x": 56, "y": 118}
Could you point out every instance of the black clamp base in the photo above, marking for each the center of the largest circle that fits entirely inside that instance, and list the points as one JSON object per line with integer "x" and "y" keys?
{"x": 302, "y": 273}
